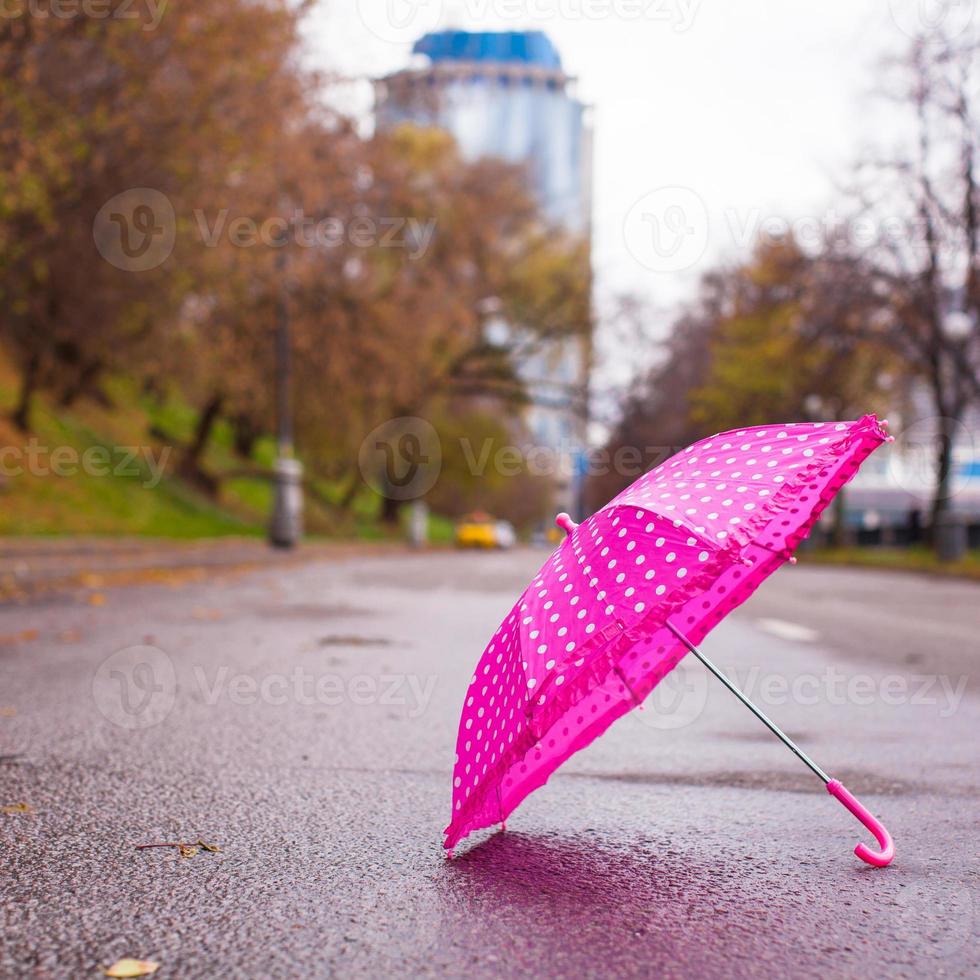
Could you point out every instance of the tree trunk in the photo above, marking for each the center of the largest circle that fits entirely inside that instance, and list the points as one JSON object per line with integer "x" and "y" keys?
{"x": 190, "y": 463}
{"x": 944, "y": 472}
{"x": 21, "y": 414}
{"x": 389, "y": 510}
{"x": 244, "y": 432}
{"x": 81, "y": 384}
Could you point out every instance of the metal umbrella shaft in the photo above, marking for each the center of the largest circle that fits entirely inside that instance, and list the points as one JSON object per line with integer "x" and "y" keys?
{"x": 880, "y": 858}
{"x": 761, "y": 715}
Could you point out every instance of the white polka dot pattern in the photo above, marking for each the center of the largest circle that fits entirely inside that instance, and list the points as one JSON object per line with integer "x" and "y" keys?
{"x": 586, "y": 642}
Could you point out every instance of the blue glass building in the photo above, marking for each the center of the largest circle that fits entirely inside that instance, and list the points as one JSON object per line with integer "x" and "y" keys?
{"x": 505, "y": 94}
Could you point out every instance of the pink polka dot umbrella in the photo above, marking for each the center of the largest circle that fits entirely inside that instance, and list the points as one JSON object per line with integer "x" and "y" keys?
{"x": 633, "y": 589}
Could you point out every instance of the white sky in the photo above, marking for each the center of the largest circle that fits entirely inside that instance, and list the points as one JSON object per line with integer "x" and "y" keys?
{"x": 746, "y": 110}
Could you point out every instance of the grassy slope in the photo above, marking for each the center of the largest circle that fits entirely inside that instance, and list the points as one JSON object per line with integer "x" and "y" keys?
{"x": 82, "y": 503}
{"x": 85, "y": 503}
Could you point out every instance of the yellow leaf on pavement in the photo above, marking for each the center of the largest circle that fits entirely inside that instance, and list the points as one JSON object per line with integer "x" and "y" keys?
{"x": 131, "y": 968}
{"x": 24, "y": 636}
{"x": 207, "y": 614}
{"x": 12, "y": 808}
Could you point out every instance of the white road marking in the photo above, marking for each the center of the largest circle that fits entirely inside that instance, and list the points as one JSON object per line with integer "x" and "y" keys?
{"x": 788, "y": 631}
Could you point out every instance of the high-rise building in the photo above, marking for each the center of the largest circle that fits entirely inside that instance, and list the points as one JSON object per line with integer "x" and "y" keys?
{"x": 506, "y": 95}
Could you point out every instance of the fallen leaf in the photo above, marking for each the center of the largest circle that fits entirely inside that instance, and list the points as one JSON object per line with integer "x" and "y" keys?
{"x": 207, "y": 614}
{"x": 24, "y": 636}
{"x": 11, "y": 808}
{"x": 96, "y": 599}
{"x": 122, "y": 969}
{"x": 185, "y": 850}
{"x": 7, "y": 712}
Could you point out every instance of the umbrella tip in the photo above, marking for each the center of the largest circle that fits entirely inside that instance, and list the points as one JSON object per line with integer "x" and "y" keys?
{"x": 565, "y": 523}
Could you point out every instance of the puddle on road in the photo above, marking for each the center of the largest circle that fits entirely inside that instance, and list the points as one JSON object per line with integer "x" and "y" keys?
{"x": 351, "y": 640}
{"x": 763, "y": 736}
{"x": 309, "y": 611}
{"x": 865, "y": 783}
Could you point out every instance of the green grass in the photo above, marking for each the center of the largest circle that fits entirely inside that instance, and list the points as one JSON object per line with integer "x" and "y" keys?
{"x": 87, "y": 500}
{"x": 130, "y": 503}
{"x": 914, "y": 559}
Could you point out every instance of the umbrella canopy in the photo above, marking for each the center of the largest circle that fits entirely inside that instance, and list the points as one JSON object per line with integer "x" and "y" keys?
{"x": 589, "y": 639}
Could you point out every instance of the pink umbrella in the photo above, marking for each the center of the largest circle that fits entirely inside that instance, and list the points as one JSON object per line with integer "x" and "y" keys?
{"x": 630, "y": 591}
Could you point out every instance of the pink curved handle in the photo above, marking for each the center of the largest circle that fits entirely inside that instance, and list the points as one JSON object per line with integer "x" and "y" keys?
{"x": 878, "y": 859}
{"x": 565, "y": 523}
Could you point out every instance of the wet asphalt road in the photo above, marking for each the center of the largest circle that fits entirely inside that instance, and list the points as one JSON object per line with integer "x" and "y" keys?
{"x": 303, "y": 719}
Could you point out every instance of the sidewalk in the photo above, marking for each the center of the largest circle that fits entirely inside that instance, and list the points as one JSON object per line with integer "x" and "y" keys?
{"x": 32, "y": 567}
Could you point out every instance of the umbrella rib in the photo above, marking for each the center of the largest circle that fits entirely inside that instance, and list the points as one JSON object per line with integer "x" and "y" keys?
{"x": 761, "y": 715}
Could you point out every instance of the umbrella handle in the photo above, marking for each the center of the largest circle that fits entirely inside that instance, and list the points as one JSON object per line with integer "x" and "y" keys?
{"x": 878, "y": 859}
{"x": 565, "y": 523}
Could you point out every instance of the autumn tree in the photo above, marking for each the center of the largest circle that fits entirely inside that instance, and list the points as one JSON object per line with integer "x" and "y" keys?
{"x": 789, "y": 343}
{"x": 923, "y": 196}
{"x": 781, "y": 336}
{"x": 404, "y": 330}
{"x": 94, "y": 107}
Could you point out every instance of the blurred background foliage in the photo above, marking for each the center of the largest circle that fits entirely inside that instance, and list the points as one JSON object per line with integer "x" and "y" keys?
{"x": 215, "y": 108}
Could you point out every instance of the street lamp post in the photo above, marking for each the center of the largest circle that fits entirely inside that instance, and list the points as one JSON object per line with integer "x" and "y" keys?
{"x": 286, "y": 525}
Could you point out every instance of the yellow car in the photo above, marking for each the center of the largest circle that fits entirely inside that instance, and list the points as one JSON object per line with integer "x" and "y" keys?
{"x": 483, "y": 531}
